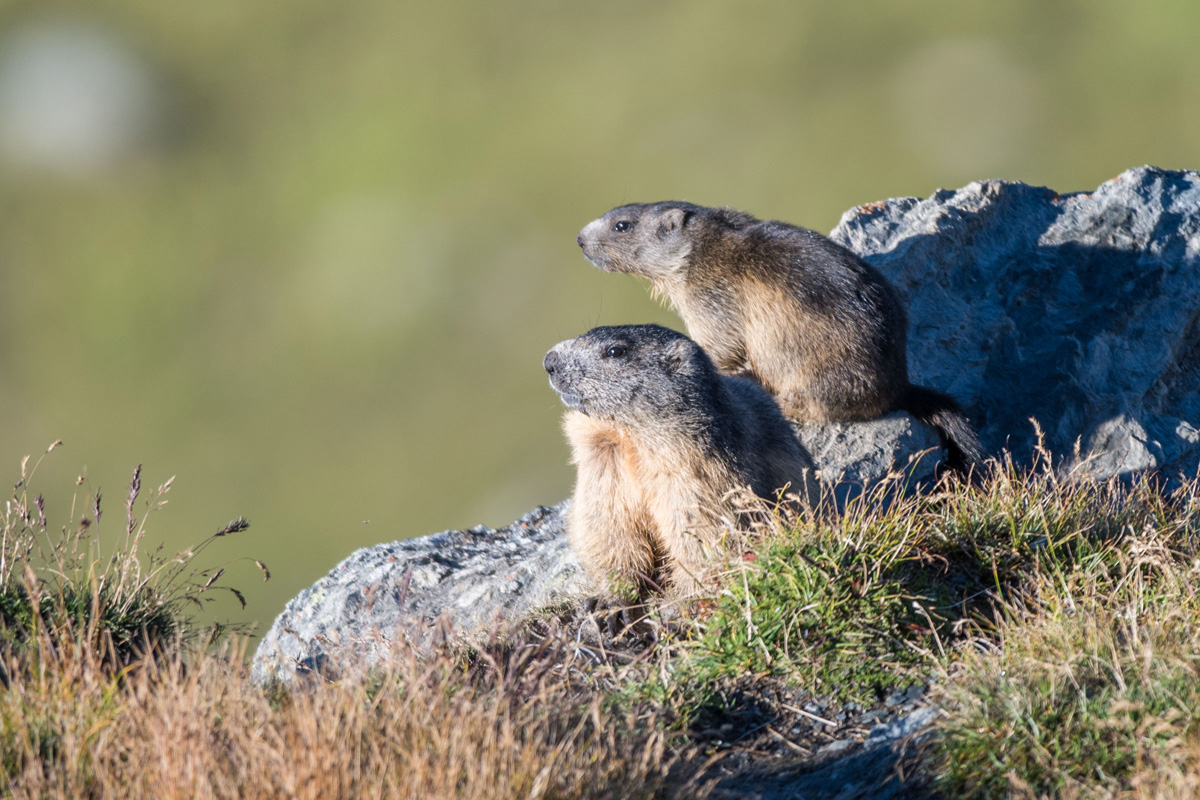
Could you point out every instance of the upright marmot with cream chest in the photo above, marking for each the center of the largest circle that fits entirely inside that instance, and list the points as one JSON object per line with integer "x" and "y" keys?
{"x": 816, "y": 325}
{"x": 660, "y": 439}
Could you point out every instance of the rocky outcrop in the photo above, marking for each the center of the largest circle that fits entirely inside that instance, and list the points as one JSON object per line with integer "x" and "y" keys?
{"x": 465, "y": 579}
{"x": 458, "y": 581}
{"x": 1079, "y": 310}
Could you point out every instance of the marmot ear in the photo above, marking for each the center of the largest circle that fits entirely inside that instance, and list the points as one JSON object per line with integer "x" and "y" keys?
{"x": 671, "y": 220}
{"x": 679, "y": 353}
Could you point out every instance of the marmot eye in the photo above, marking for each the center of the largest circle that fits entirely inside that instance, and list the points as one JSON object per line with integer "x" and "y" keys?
{"x": 622, "y": 226}
{"x": 616, "y": 351}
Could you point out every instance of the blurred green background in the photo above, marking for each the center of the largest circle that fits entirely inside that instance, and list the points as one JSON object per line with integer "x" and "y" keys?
{"x": 307, "y": 256}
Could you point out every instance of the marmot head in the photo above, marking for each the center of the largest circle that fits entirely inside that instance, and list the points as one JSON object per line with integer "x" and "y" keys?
{"x": 634, "y": 374}
{"x": 649, "y": 239}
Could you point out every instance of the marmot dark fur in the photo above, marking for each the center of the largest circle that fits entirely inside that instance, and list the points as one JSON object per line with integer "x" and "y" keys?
{"x": 660, "y": 439}
{"x": 806, "y": 318}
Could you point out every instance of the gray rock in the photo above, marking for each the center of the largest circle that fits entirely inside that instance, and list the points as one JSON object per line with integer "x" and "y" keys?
{"x": 843, "y": 769}
{"x": 1082, "y": 311}
{"x": 902, "y": 697}
{"x": 854, "y": 456}
{"x": 905, "y": 726}
{"x": 463, "y": 580}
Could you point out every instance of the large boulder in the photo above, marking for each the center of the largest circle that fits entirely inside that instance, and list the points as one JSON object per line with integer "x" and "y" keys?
{"x": 1081, "y": 311}
{"x": 464, "y": 579}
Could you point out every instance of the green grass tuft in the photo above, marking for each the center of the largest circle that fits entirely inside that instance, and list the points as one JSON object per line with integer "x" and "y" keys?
{"x": 839, "y": 617}
{"x": 1090, "y": 683}
{"x": 110, "y": 595}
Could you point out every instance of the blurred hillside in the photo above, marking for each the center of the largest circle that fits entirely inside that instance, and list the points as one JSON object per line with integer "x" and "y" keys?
{"x": 308, "y": 256}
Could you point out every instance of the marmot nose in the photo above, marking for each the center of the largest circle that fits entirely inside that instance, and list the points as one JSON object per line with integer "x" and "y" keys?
{"x": 551, "y": 362}
{"x": 579, "y": 240}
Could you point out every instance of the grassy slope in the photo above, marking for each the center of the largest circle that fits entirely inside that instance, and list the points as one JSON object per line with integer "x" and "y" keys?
{"x": 1059, "y": 619}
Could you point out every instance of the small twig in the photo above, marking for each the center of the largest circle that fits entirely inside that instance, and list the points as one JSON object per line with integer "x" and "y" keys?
{"x": 932, "y": 628}
{"x": 810, "y": 715}
{"x": 804, "y": 751}
{"x": 747, "y": 733}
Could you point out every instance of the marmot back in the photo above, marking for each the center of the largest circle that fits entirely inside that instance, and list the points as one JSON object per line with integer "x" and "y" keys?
{"x": 807, "y": 319}
{"x": 659, "y": 439}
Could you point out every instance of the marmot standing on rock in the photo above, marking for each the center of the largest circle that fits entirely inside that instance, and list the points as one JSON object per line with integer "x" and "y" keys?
{"x": 660, "y": 438}
{"x": 812, "y": 322}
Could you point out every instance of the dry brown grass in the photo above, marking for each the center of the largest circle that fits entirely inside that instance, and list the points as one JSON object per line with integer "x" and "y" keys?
{"x": 1063, "y": 616}
{"x": 518, "y": 723}
{"x": 110, "y": 690}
